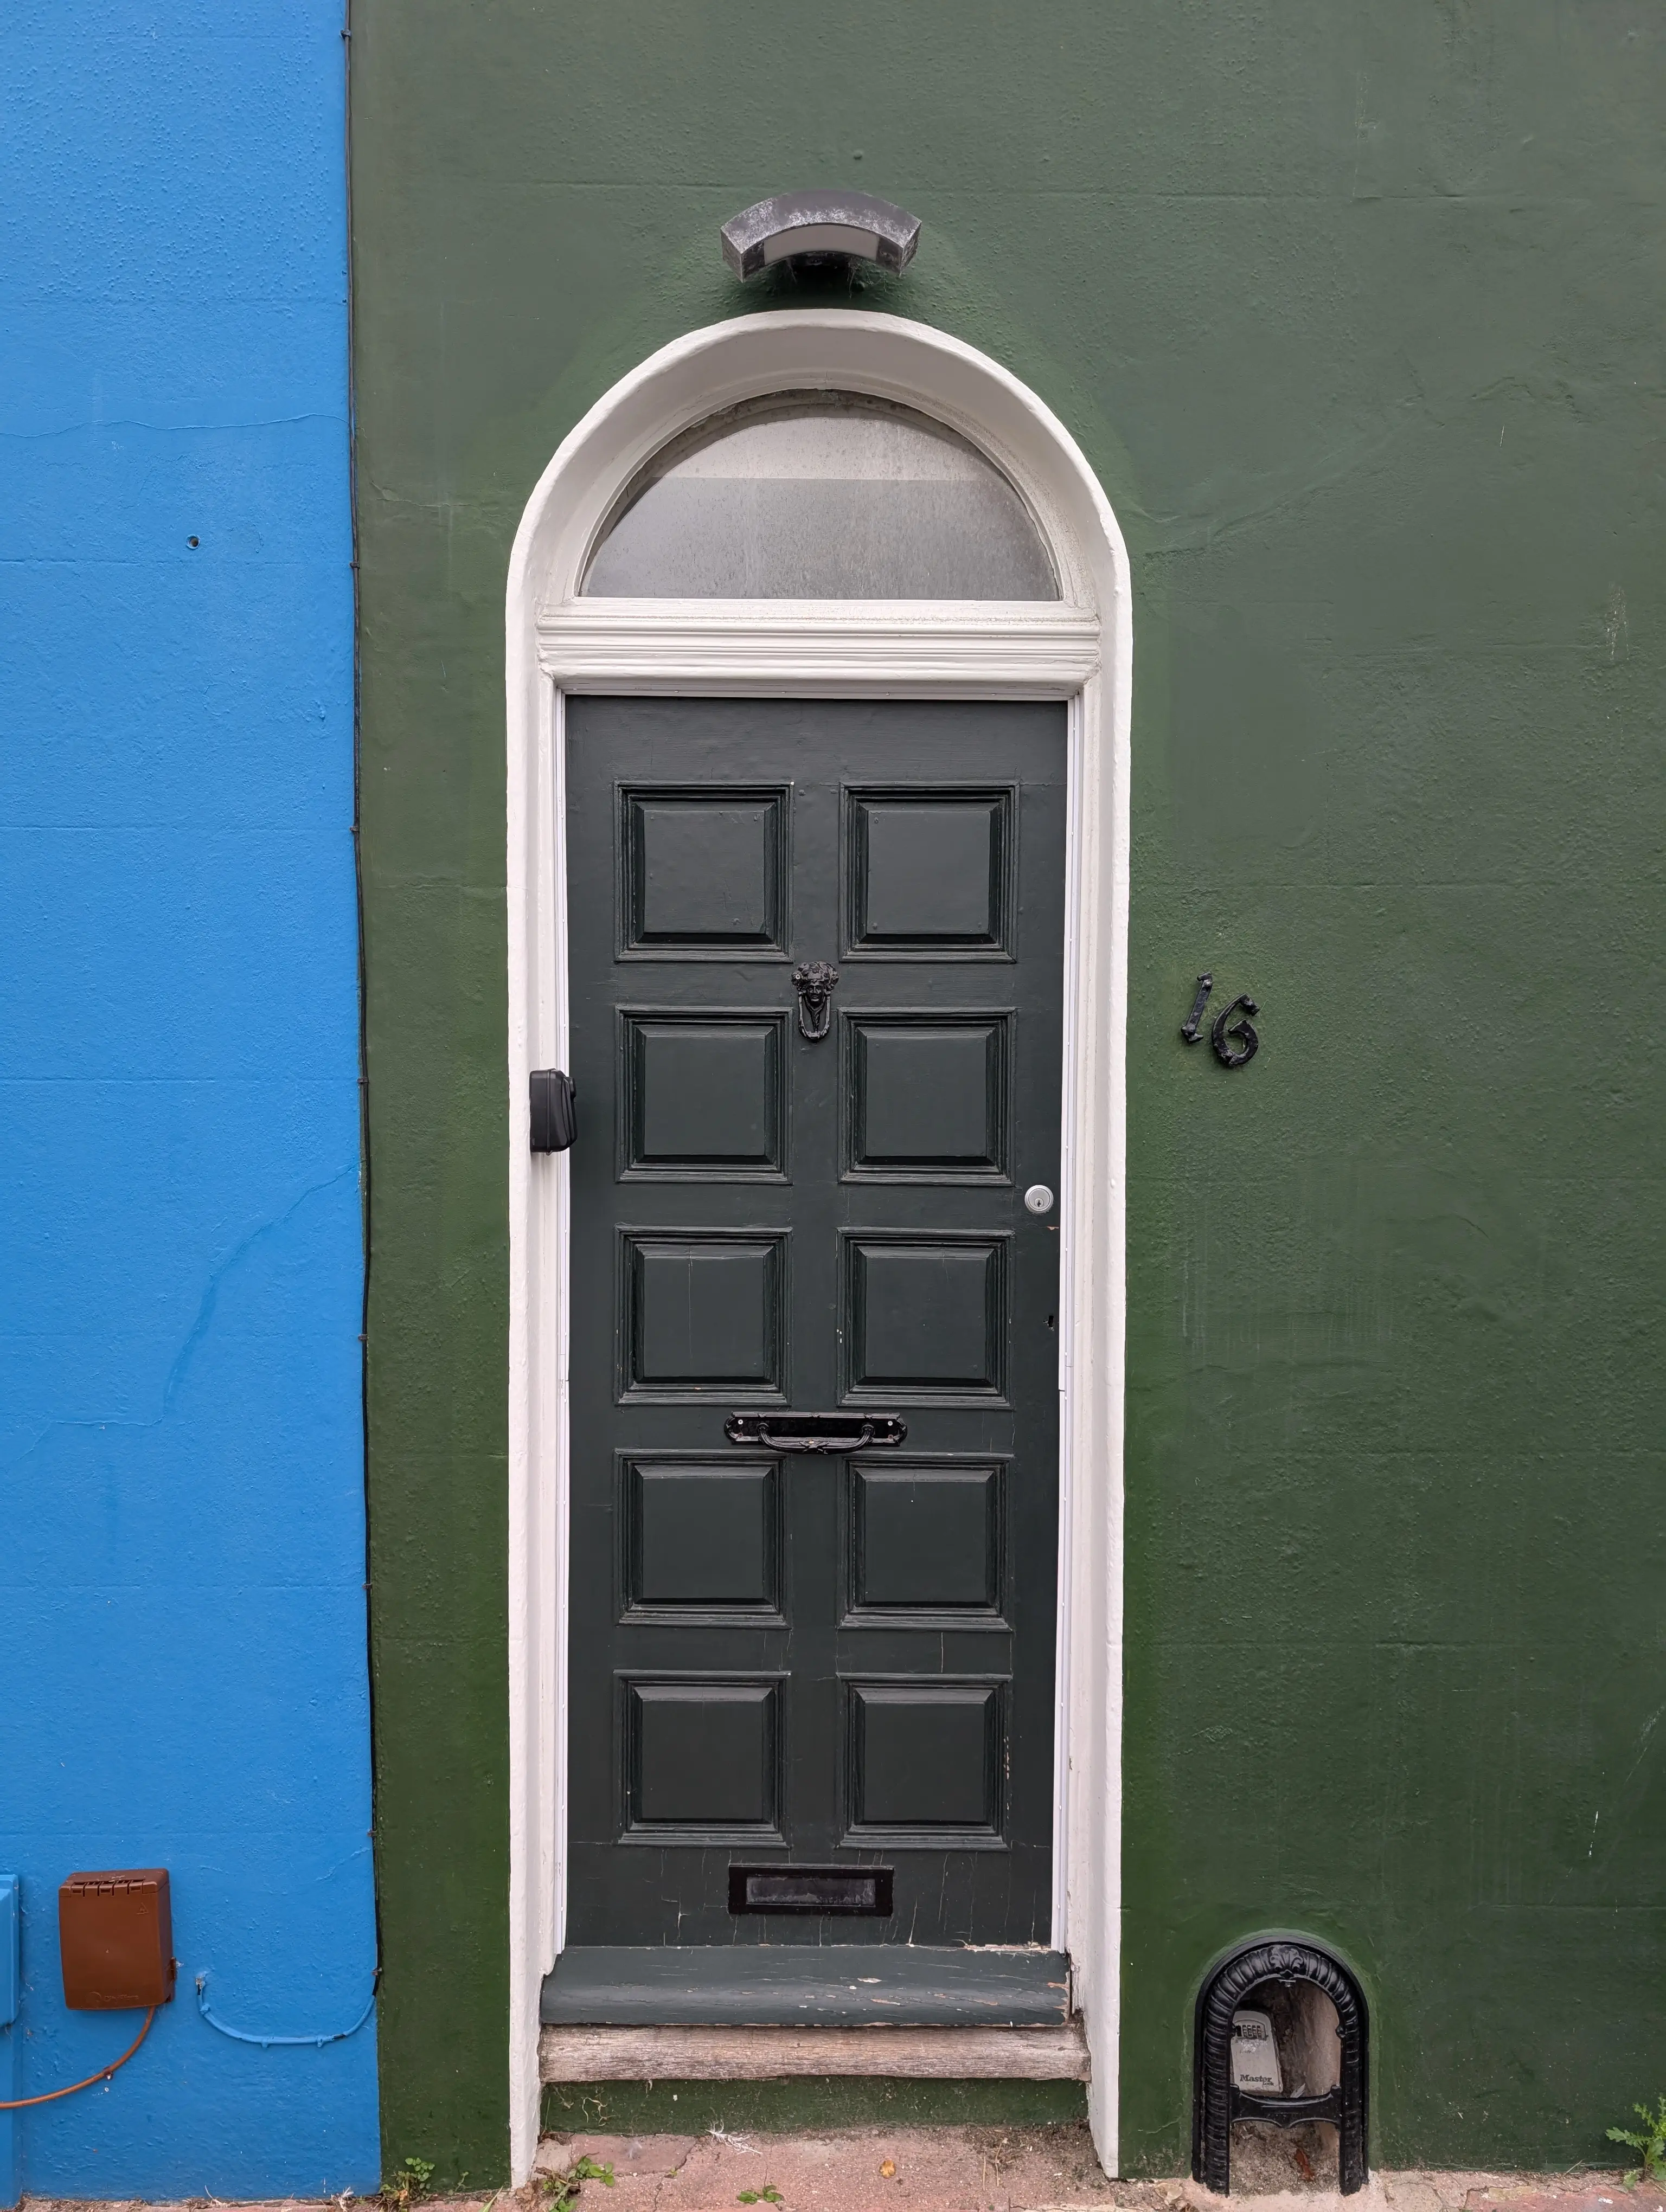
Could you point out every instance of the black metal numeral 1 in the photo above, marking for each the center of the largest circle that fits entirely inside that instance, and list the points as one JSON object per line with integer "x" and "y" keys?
{"x": 1189, "y": 1027}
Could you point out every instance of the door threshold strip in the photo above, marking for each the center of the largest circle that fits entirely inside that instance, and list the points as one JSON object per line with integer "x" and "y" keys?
{"x": 760, "y": 2054}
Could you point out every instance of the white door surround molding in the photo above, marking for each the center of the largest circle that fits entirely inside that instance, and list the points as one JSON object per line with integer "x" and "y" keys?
{"x": 1079, "y": 649}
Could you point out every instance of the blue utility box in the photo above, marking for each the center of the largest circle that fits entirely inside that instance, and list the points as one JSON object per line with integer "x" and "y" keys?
{"x": 11, "y": 1977}
{"x": 10, "y": 1952}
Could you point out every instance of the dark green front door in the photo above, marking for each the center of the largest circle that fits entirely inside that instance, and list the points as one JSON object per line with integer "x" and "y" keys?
{"x": 813, "y": 1659}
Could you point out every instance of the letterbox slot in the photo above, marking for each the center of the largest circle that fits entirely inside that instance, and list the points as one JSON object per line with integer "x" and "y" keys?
{"x": 863, "y": 1890}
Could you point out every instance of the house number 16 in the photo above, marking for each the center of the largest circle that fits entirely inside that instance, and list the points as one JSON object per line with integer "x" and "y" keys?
{"x": 1224, "y": 1033}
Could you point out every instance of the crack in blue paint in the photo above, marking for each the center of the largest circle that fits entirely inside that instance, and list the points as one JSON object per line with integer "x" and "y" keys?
{"x": 194, "y": 1336}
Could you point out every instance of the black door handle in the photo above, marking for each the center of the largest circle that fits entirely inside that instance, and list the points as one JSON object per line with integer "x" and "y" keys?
{"x": 554, "y": 1112}
{"x": 827, "y": 1433}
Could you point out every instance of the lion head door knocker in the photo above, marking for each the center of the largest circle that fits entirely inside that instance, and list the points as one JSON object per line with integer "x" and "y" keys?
{"x": 813, "y": 981}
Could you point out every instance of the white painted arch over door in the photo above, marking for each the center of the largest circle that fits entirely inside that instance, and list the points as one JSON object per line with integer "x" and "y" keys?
{"x": 1077, "y": 648}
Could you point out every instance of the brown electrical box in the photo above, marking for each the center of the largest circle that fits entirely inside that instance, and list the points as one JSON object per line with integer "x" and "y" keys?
{"x": 115, "y": 1935}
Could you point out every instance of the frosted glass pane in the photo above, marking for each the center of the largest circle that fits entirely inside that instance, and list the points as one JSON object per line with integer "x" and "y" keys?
{"x": 821, "y": 496}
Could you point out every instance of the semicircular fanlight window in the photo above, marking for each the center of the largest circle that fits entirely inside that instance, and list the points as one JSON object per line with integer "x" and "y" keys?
{"x": 821, "y": 496}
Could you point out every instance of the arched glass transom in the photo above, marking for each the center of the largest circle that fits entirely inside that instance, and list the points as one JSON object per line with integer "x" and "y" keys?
{"x": 821, "y": 496}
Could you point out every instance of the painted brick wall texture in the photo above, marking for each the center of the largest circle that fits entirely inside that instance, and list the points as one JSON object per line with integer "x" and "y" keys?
{"x": 182, "y": 1638}
{"x": 1356, "y": 310}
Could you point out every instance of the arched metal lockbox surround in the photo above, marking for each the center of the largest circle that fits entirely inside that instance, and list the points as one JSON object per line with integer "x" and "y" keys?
{"x": 1216, "y": 2100}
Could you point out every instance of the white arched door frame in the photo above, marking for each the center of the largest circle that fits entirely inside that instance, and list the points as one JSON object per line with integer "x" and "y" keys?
{"x": 1077, "y": 649}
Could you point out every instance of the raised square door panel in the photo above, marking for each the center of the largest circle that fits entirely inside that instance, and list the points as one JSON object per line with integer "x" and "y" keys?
{"x": 702, "y": 871}
{"x": 926, "y": 1758}
{"x": 702, "y": 1313}
{"x": 701, "y": 1539}
{"x": 929, "y": 869}
{"x": 925, "y": 1097}
{"x": 701, "y": 1756}
{"x": 925, "y": 1316}
{"x": 926, "y": 1541}
{"x": 702, "y": 1096}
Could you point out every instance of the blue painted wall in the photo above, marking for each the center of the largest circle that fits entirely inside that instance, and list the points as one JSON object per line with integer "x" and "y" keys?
{"x": 183, "y": 1673}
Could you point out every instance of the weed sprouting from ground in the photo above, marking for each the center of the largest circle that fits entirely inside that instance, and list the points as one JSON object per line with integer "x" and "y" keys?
{"x": 1649, "y": 2141}
{"x": 410, "y": 2182}
{"x": 563, "y": 2188}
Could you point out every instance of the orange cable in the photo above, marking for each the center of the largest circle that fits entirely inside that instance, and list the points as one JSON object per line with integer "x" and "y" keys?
{"x": 16, "y": 2104}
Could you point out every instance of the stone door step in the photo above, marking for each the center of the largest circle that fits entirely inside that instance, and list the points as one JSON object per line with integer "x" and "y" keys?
{"x": 762, "y": 2054}
{"x": 807, "y": 1985}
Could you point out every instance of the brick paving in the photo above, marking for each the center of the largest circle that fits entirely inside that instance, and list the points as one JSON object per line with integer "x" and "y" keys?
{"x": 942, "y": 2170}
{"x": 1013, "y": 2170}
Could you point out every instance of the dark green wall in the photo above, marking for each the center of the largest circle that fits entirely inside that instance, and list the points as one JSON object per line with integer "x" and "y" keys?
{"x": 1357, "y": 308}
